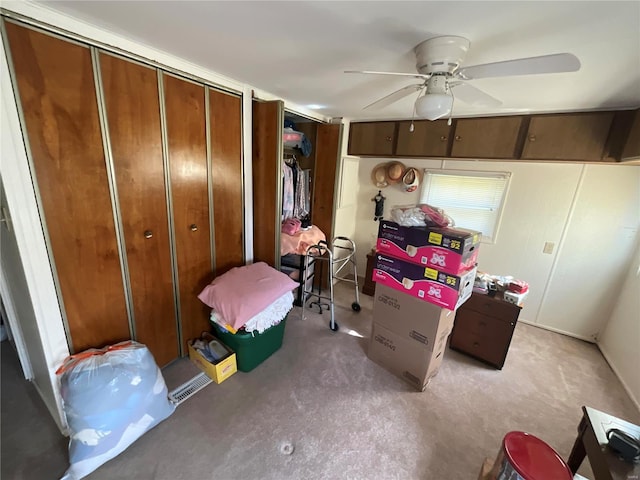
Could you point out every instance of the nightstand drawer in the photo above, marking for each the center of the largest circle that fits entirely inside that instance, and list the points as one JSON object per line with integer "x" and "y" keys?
{"x": 479, "y": 347}
{"x": 492, "y": 306}
{"x": 495, "y": 330}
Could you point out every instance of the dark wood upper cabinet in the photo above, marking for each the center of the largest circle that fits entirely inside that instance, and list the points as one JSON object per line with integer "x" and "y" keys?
{"x": 495, "y": 137}
{"x": 579, "y": 136}
{"x": 632, "y": 145}
{"x": 428, "y": 139}
{"x": 372, "y": 138}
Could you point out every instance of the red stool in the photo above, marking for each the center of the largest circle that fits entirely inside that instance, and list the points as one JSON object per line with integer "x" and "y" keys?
{"x": 526, "y": 457}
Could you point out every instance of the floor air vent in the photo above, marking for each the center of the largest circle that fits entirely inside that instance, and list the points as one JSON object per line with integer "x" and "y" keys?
{"x": 189, "y": 388}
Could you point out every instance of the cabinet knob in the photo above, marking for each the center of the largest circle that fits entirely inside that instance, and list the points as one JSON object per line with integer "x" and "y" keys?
{"x": 532, "y": 138}
{"x": 511, "y": 323}
{"x": 148, "y": 234}
{"x": 443, "y": 138}
{"x": 194, "y": 227}
{"x": 388, "y": 138}
{"x": 458, "y": 138}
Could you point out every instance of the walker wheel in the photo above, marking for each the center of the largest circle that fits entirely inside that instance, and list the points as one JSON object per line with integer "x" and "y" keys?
{"x": 335, "y": 327}
{"x": 355, "y": 306}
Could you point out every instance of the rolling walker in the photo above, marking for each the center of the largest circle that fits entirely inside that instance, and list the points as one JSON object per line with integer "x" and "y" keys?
{"x": 341, "y": 253}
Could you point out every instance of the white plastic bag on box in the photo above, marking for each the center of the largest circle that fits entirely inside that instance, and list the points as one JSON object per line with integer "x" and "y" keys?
{"x": 111, "y": 397}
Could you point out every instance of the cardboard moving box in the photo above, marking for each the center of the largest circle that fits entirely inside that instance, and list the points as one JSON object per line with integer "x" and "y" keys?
{"x": 442, "y": 289}
{"x": 406, "y": 359}
{"x": 411, "y": 318}
{"x": 409, "y": 336}
{"x": 450, "y": 250}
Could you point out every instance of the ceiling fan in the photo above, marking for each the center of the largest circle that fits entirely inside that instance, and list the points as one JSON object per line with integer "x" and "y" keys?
{"x": 438, "y": 65}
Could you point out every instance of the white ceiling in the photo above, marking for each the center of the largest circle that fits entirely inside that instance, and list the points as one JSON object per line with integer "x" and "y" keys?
{"x": 299, "y": 50}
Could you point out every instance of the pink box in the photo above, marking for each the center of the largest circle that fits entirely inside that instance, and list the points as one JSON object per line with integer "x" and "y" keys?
{"x": 440, "y": 288}
{"x": 450, "y": 250}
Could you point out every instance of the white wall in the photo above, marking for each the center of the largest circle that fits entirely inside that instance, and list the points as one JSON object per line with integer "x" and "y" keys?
{"x": 620, "y": 339}
{"x": 346, "y": 198}
{"x": 595, "y": 254}
{"x": 546, "y": 202}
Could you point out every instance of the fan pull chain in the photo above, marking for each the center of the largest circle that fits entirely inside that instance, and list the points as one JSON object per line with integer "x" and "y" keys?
{"x": 413, "y": 114}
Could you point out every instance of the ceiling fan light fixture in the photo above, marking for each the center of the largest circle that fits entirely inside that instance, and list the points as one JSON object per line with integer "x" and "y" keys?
{"x": 433, "y": 106}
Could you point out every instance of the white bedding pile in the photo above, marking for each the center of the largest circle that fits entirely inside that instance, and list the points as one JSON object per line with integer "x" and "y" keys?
{"x": 270, "y": 316}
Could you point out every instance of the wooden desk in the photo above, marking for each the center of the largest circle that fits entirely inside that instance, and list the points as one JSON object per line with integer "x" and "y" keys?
{"x": 592, "y": 443}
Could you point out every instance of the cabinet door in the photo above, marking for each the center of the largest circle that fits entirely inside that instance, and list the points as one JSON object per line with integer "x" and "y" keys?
{"x": 632, "y": 144}
{"x": 371, "y": 138}
{"x": 486, "y": 137}
{"x": 580, "y": 136}
{"x": 225, "y": 118}
{"x": 58, "y": 99}
{"x": 428, "y": 139}
{"x": 133, "y": 115}
{"x": 268, "y": 118}
{"x": 187, "y": 149}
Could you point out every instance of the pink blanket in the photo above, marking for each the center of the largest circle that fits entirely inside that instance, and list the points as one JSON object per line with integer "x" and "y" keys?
{"x": 243, "y": 292}
{"x": 301, "y": 241}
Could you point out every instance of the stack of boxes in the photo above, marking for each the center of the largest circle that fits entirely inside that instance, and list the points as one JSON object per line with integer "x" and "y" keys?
{"x": 422, "y": 276}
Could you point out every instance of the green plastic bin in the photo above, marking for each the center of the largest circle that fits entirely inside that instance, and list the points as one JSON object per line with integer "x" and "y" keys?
{"x": 252, "y": 350}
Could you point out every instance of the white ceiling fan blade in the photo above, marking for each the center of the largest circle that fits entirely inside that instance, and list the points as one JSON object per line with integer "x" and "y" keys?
{"x": 556, "y": 63}
{"x": 397, "y": 74}
{"x": 395, "y": 96}
{"x": 472, "y": 95}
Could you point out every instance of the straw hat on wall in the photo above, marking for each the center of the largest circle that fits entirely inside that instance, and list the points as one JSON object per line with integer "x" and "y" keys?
{"x": 379, "y": 175}
{"x": 395, "y": 172}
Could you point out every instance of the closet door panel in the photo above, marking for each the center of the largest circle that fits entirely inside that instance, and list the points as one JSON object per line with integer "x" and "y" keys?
{"x": 187, "y": 142}
{"x": 268, "y": 118}
{"x": 327, "y": 148}
{"x": 58, "y": 98}
{"x": 133, "y": 113}
{"x": 225, "y": 115}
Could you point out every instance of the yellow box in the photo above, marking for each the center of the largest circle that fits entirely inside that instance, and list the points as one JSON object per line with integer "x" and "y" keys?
{"x": 218, "y": 372}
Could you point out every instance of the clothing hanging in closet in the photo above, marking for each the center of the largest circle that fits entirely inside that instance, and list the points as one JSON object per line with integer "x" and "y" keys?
{"x": 287, "y": 191}
{"x": 296, "y": 202}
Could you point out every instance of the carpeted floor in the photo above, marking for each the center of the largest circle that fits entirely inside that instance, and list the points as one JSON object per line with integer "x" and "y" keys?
{"x": 346, "y": 417}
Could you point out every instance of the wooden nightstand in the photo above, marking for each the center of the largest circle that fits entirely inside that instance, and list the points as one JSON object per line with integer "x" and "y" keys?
{"x": 483, "y": 328}
{"x": 369, "y": 286}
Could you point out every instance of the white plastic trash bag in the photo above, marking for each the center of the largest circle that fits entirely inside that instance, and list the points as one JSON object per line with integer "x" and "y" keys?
{"x": 111, "y": 397}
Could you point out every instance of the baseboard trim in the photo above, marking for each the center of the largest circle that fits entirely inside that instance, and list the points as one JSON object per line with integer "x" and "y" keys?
{"x": 635, "y": 400}
{"x": 556, "y": 330}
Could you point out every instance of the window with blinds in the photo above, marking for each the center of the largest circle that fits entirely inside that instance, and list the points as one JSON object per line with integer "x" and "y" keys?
{"x": 473, "y": 199}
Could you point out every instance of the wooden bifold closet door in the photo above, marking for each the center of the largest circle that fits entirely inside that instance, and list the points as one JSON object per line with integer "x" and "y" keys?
{"x": 225, "y": 117}
{"x": 58, "y": 98}
{"x": 187, "y": 148}
{"x": 133, "y": 116}
{"x": 268, "y": 119}
{"x": 174, "y": 148}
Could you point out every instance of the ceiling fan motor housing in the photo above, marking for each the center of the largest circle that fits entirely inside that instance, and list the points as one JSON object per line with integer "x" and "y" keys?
{"x": 441, "y": 54}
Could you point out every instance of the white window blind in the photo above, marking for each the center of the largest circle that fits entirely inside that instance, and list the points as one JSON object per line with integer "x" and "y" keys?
{"x": 473, "y": 199}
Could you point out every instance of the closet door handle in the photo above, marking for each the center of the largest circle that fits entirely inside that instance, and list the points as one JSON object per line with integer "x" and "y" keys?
{"x": 148, "y": 234}
{"x": 443, "y": 138}
{"x": 458, "y": 138}
{"x": 388, "y": 138}
{"x": 194, "y": 227}
{"x": 532, "y": 138}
